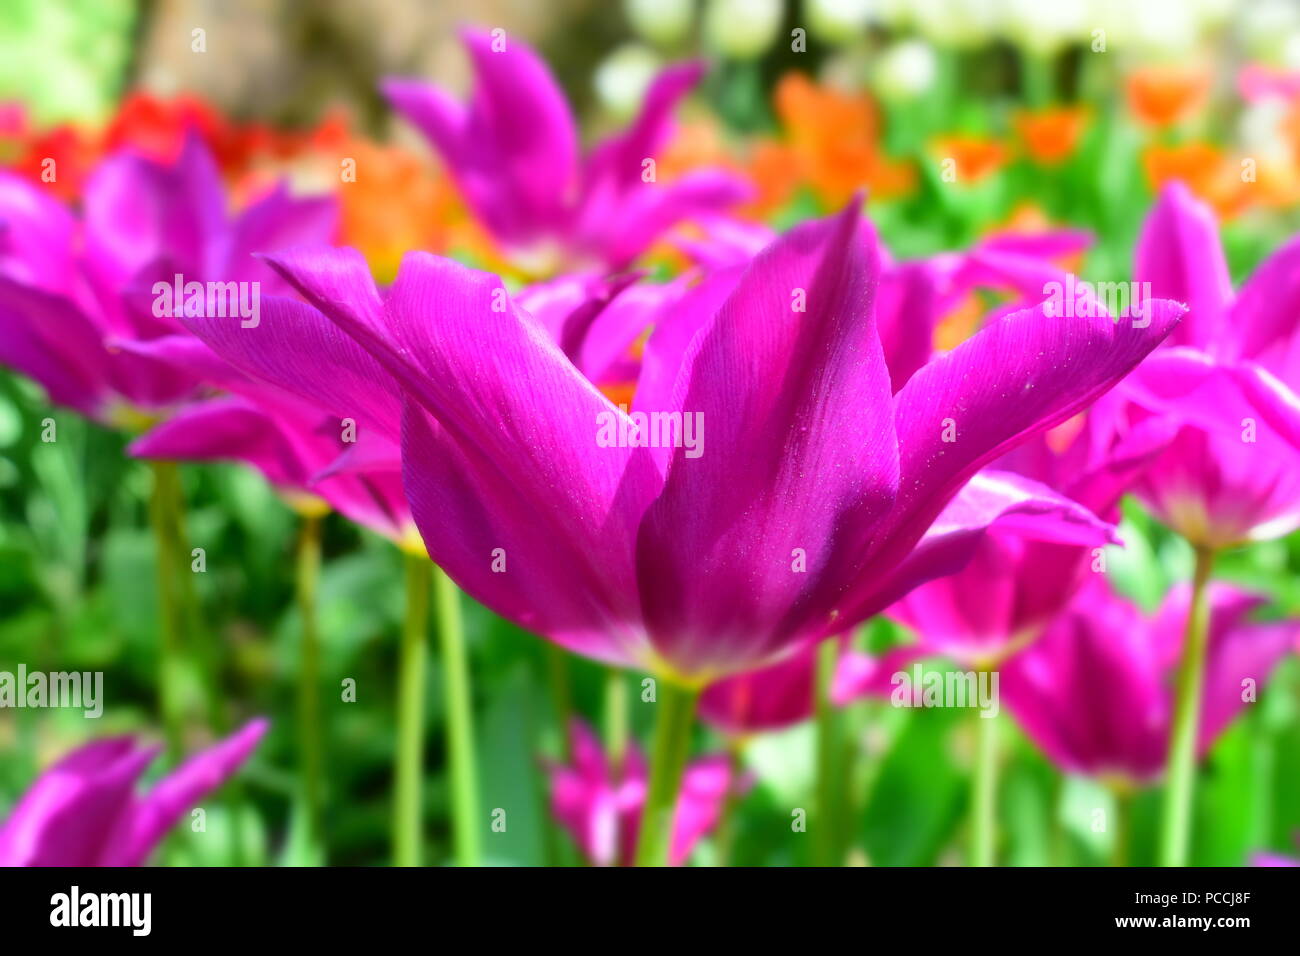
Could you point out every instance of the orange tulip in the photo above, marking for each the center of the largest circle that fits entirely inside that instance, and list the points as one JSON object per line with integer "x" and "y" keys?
{"x": 397, "y": 202}
{"x": 774, "y": 169}
{"x": 833, "y": 140}
{"x": 1205, "y": 170}
{"x": 1051, "y": 135}
{"x": 1161, "y": 96}
{"x": 975, "y": 157}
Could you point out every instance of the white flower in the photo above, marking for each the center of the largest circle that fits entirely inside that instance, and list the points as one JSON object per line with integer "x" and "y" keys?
{"x": 838, "y": 21}
{"x": 1160, "y": 27}
{"x": 742, "y": 29}
{"x": 906, "y": 70}
{"x": 1266, "y": 28}
{"x": 956, "y": 23}
{"x": 623, "y": 76}
{"x": 1259, "y": 128}
{"x": 661, "y": 21}
{"x": 1046, "y": 27}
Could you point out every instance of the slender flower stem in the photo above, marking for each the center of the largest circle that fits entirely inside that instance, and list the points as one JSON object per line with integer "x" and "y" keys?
{"x": 858, "y": 767}
{"x": 1121, "y": 848}
{"x": 162, "y": 514}
{"x": 1180, "y": 778}
{"x": 724, "y": 838}
{"x": 204, "y": 652}
{"x": 616, "y": 729}
{"x": 408, "y": 833}
{"x": 1056, "y": 837}
{"x": 182, "y": 634}
{"x": 311, "y": 739}
{"x": 826, "y": 846}
{"x": 671, "y": 742}
{"x": 984, "y": 817}
{"x": 557, "y": 675}
{"x": 460, "y": 721}
{"x": 1036, "y": 70}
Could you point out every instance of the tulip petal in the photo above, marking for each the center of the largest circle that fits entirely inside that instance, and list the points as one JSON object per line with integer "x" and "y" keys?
{"x": 228, "y": 429}
{"x": 992, "y": 500}
{"x": 138, "y": 212}
{"x": 1263, "y": 319}
{"x": 277, "y": 221}
{"x": 566, "y": 521}
{"x": 152, "y": 815}
{"x": 67, "y": 817}
{"x": 1017, "y": 377}
{"x": 674, "y": 329}
{"x": 36, "y": 236}
{"x": 1179, "y": 253}
{"x": 705, "y": 785}
{"x": 298, "y": 350}
{"x": 616, "y": 164}
{"x": 514, "y": 150}
{"x": 618, "y": 230}
{"x": 802, "y": 399}
{"x": 908, "y": 308}
{"x": 49, "y": 339}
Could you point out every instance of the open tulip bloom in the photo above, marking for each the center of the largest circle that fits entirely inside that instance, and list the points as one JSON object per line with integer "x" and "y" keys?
{"x": 1217, "y": 409}
{"x": 1095, "y": 691}
{"x": 85, "y": 811}
{"x": 1229, "y": 378}
{"x": 628, "y": 553}
{"x": 84, "y": 295}
{"x": 1227, "y": 384}
{"x": 601, "y": 804}
{"x": 513, "y": 151}
{"x": 70, "y": 286}
{"x": 801, "y": 507}
{"x": 1018, "y": 581}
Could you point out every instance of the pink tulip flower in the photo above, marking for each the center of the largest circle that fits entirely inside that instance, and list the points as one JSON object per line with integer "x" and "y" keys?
{"x": 1229, "y": 380}
{"x": 601, "y": 807}
{"x": 1095, "y": 692}
{"x": 71, "y": 285}
{"x": 86, "y": 811}
{"x": 655, "y": 554}
{"x": 513, "y": 152}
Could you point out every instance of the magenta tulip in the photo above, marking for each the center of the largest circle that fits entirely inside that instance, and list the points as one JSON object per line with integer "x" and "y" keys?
{"x": 513, "y": 151}
{"x": 85, "y": 810}
{"x": 1095, "y": 692}
{"x": 659, "y": 553}
{"x": 600, "y": 806}
{"x": 69, "y": 285}
{"x": 1229, "y": 379}
{"x": 1020, "y": 577}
